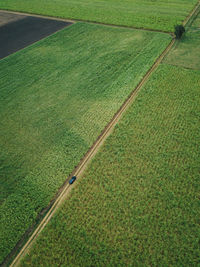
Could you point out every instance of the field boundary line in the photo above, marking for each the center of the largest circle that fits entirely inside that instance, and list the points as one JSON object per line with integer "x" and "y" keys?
{"x": 35, "y": 15}
{"x": 185, "y": 22}
{"x": 100, "y": 23}
{"x": 66, "y": 26}
{"x": 82, "y": 20}
{"x": 78, "y": 171}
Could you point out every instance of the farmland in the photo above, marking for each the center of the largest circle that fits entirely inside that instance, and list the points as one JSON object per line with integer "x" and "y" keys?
{"x": 138, "y": 200}
{"x": 187, "y": 52}
{"x": 56, "y": 97}
{"x": 158, "y": 14}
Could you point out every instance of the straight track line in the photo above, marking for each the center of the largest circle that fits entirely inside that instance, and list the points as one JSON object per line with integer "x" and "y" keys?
{"x": 185, "y": 22}
{"x": 99, "y": 23}
{"x": 81, "y": 20}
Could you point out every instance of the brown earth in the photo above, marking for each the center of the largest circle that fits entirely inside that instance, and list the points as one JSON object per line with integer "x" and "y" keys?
{"x": 8, "y": 17}
{"x": 19, "y": 31}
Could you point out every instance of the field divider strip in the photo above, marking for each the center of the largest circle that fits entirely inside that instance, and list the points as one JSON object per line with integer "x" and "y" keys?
{"x": 82, "y": 20}
{"x": 78, "y": 171}
{"x": 70, "y": 23}
{"x": 186, "y": 21}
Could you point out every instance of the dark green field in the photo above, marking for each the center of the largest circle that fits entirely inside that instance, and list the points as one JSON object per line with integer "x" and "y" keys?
{"x": 56, "y": 97}
{"x": 151, "y": 14}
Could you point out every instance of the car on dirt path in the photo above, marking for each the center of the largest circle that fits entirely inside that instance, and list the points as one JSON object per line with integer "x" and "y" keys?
{"x": 71, "y": 181}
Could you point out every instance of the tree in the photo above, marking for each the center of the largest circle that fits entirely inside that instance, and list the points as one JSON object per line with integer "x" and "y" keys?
{"x": 179, "y": 31}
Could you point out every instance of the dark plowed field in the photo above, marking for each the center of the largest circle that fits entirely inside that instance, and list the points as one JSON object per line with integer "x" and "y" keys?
{"x": 17, "y": 32}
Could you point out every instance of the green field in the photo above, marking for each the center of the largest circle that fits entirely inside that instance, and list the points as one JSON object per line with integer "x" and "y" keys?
{"x": 56, "y": 97}
{"x": 186, "y": 53}
{"x": 151, "y": 14}
{"x": 138, "y": 202}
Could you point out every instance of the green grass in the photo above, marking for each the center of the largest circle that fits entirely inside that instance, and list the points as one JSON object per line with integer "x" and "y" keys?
{"x": 186, "y": 53}
{"x": 56, "y": 97}
{"x": 138, "y": 202}
{"x": 151, "y": 14}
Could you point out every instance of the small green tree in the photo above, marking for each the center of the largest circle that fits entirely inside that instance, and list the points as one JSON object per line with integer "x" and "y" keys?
{"x": 179, "y": 31}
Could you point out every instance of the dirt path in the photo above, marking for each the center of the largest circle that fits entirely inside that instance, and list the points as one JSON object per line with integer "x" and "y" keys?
{"x": 79, "y": 20}
{"x": 6, "y": 18}
{"x": 187, "y": 20}
{"x": 65, "y": 190}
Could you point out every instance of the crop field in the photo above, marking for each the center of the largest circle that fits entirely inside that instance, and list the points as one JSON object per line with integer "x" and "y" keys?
{"x": 137, "y": 203}
{"x": 151, "y": 14}
{"x": 187, "y": 52}
{"x": 56, "y": 97}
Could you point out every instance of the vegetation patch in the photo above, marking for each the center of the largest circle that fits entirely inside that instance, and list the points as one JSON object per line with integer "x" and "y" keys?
{"x": 138, "y": 202}
{"x": 186, "y": 53}
{"x": 179, "y": 31}
{"x": 151, "y": 14}
{"x": 56, "y": 97}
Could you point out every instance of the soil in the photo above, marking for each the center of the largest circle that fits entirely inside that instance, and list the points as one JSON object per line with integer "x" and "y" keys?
{"x": 18, "y": 31}
{"x": 7, "y": 18}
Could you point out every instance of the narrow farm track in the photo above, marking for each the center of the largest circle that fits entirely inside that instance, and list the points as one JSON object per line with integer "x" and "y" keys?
{"x": 187, "y": 19}
{"x": 79, "y": 20}
{"x": 65, "y": 190}
{"x": 193, "y": 13}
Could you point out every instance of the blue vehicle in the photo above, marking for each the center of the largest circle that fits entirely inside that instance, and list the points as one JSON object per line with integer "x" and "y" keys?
{"x": 72, "y": 180}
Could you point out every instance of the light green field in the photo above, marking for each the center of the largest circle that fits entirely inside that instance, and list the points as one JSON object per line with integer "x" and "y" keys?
{"x": 151, "y": 14}
{"x": 186, "y": 53}
{"x": 56, "y": 97}
{"x": 138, "y": 202}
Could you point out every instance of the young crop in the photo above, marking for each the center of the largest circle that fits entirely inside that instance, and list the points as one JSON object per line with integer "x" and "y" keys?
{"x": 137, "y": 203}
{"x": 159, "y": 15}
{"x": 61, "y": 94}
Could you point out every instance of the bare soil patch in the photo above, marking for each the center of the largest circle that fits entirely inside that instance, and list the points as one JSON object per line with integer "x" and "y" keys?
{"x": 9, "y": 17}
{"x": 18, "y": 31}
